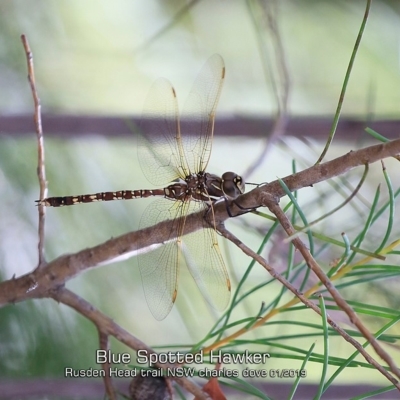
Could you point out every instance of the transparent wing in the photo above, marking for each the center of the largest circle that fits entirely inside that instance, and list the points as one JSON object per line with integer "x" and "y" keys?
{"x": 205, "y": 262}
{"x": 197, "y": 118}
{"x": 158, "y": 151}
{"x": 159, "y": 268}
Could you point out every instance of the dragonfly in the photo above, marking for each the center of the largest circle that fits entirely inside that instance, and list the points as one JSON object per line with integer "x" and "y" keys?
{"x": 174, "y": 150}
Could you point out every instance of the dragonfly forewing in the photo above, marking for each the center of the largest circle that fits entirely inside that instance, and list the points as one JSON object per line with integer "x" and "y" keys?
{"x": 198, "y": 250}
{"x": 198, "y": 113}
{"x": 158, "y": 152}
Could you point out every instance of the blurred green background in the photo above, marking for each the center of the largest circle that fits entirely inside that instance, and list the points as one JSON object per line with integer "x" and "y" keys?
{"x": 100, "y": 58}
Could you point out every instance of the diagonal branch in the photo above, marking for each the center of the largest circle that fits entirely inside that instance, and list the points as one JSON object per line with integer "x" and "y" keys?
{"x": 38, "y": 283}
{"x": 107, "y": 327}
{"x": 315, "y": 174}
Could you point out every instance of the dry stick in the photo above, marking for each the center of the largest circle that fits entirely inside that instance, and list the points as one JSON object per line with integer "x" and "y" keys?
{"x": 305, "y": 300}
{"x": 104, "y": 344}
{"x": 318, "y": 173}
{"x": 108, "y": 327}
{"x": 63, "y": 268}
{"x": 273, "y": 206}
{"x": 41, "y": 172}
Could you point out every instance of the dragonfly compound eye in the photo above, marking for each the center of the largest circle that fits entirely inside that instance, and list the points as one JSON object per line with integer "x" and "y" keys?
{"x": 232, "y": 184}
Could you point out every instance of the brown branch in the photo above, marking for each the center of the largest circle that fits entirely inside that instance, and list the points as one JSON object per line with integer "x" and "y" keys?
{"x": 319, "y": 173}
{"x": 41, "y": 172}
{"x": 56, "y": 273}
{"x": 104, "y": 344}
{"x": 109, "y": 328}
{"x": 38, "y": 283}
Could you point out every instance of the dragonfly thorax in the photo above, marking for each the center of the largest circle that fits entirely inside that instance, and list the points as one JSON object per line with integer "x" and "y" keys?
{"x": 193, "y": 187}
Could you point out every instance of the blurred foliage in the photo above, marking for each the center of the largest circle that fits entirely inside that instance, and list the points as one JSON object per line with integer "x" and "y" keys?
{"x": 98, "y": 57}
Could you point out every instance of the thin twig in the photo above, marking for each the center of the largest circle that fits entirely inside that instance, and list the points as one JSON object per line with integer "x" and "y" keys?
{"x": 41, "y": 172}
{"x": 175, "y": 19}
{"x": 104, "y": 344}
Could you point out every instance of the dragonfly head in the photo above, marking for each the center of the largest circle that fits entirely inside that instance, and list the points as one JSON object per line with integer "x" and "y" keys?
{"x": 232, "y": 185}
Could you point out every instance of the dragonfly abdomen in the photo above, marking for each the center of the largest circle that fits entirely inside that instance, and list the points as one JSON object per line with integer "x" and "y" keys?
{"x": 102, "y": 196}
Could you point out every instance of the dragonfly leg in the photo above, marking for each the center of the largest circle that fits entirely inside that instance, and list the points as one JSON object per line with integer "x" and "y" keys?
{"x": 245, "y": 209}
{"x": 228, "y": 208}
